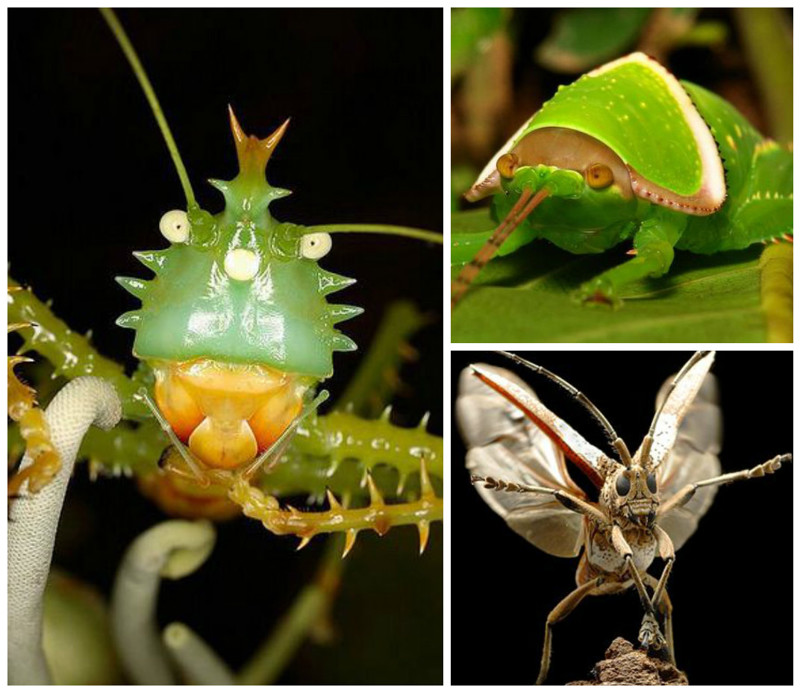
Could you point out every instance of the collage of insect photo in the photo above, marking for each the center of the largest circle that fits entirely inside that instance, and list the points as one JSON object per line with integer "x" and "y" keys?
{"x": 256, "y": 436}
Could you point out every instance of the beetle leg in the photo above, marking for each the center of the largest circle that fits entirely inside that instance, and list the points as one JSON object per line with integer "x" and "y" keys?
{"x": 653, "y": 242}
{"x": 564, "y": 608}
{"x": 649, "y": 635}
{"x": 665, "y": 607}
{"x": 569, "y": 501}
{"x": 686, "y": 494}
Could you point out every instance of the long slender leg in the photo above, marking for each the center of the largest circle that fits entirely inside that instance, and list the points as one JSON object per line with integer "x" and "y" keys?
{"x": 596, "y": 586}
{"x": 563, "y": 609}
{"x": 687, "y": 492}
{"x": 649, "y": 634}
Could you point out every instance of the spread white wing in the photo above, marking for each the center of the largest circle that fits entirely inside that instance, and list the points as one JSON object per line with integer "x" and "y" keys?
{"x": 693, "y": 457}
{"x": 504, "y": 444}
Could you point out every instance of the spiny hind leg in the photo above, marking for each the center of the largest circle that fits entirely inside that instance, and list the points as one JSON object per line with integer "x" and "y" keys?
{"x": 378, "y": 515}
{"x": 566, "y": 606}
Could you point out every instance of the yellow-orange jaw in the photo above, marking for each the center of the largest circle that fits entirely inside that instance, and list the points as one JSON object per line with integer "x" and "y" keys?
{"x": 227, "y": 413}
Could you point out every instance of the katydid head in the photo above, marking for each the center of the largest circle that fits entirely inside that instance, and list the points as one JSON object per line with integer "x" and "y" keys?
{"x": 236, "y": 324}
{"x": 240, "y": 286}
{"x": 586, "y": 185}
{"x": 631, "y": 493}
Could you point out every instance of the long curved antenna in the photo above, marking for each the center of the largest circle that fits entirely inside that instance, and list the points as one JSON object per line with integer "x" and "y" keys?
{"x": 147, "y": 88}
{"x": 519, "y": 212}
{"x": 616, "y": 441}
{"x": 404, "y": 231}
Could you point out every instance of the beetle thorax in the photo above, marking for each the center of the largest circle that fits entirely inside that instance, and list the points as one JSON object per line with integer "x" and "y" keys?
{"x": 630, "y": 494}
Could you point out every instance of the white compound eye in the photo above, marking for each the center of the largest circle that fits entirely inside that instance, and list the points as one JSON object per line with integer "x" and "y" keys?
{"x": 175, "y": 226}
{"x": 315, "y": 245}
{"x": 241, "y": 264}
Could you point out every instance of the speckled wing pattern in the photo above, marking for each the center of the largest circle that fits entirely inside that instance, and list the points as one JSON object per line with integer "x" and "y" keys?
{"x": 676, "y": 407}
{"x": 692, "y": 458}
{"x": 505, "y": 444}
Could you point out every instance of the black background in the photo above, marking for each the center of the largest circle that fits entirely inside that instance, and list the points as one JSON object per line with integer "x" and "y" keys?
{"x": 89, "y": 178}
{"x": 731, "y": 585}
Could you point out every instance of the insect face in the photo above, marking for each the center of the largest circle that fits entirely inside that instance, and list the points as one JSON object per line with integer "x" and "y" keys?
{"x": 632, "y": 493}
{"x": 236, "y": 323}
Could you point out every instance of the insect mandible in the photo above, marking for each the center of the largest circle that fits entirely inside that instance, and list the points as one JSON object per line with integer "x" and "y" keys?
{"x": 648, "y": 503}
{"x": 629, "y": 153}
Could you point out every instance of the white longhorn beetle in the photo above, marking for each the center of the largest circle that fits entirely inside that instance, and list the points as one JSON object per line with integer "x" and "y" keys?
{"x": 649, "y": 503}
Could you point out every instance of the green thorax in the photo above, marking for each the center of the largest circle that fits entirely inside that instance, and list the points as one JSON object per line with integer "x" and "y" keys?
{"x": 240, "y": 288}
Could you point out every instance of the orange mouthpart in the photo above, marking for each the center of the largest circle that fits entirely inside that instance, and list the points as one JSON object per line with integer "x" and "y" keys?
{"x": 227, "y": 413}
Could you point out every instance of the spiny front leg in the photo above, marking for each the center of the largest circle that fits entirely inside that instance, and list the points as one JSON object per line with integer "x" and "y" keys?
{"x": 378, "y": 515}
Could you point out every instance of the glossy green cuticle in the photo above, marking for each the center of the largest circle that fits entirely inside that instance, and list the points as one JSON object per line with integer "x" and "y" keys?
{"x": 196, "y": 308}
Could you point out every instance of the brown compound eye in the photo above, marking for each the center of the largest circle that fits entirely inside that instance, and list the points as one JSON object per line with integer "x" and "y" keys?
{"x": 599, "y": 176}
{"x": 507, "y": 164}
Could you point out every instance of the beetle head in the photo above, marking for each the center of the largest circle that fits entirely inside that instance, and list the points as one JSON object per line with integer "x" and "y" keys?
{"x": 632, "y": 492}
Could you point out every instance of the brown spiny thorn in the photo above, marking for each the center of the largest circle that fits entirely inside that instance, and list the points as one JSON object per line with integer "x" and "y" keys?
{"x": 335, "y": 505}
{"x": 349, "y": 541}
{"x": 293, "y": 510}
{"x": 375, "y": 497}
{"x": 425, "y": 485}
{"x": 15, "y": 326}
{"x": 424, "y": 528}
{"x": 254, "y": 153}
{"x": 304, "y": 541}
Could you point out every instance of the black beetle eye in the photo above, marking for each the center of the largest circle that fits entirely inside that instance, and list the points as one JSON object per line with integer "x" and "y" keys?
{"x": 623, "y": 485}
{"x": 651, "y": 483}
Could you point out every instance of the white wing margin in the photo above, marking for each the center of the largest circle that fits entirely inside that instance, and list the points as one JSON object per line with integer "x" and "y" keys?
{"x": 693, "y": 458}
{"x": 503, "y": 443}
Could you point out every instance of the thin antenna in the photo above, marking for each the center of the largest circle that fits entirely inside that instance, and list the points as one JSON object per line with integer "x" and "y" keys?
{"x": 147, "y": 88}
{"x": 519, "y": 212}
{"x": 616, "y": 441}
{"x": 647, "y": 443}
{"x": 404, "y": 231}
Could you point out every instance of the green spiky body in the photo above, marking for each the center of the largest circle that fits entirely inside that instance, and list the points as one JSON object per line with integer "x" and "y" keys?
{"x": 193, "y": 308}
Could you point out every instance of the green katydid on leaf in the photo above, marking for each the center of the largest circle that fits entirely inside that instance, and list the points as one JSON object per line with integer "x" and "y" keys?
{"x": 629, "y": 155}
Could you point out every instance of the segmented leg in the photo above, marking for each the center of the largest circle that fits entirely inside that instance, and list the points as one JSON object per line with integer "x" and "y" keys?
{"x": 664, "y": 605}
{"x": 566, "y": 606}
{"x": 378, "y": 515}
{"x": 653, "y": 244}
{"x": 33, "y": 428}
{"x": 687, "y": 492}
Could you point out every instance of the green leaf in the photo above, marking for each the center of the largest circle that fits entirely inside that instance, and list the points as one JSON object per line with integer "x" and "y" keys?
{"x": 526, "y": 297}
{"x": 584, "y": 38}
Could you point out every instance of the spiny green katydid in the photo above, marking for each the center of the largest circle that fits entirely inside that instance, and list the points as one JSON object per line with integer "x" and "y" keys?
{"x": 629, "y": 153}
